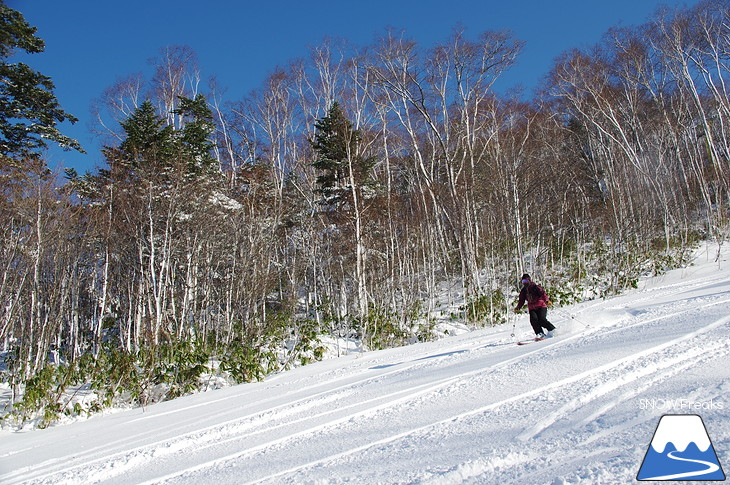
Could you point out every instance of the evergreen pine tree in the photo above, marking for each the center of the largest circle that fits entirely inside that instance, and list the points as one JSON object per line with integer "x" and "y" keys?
{"x": 334, "y": 136}
{"x": 337, "y": 145}
{"x": 29, "y": 111}
{"x": 149, "y": 141}
{"x": 143, "y": 152}
{"x": 196, "y": 134}
{"x": 154, "y": 149}
{"x": 344, "y": 172}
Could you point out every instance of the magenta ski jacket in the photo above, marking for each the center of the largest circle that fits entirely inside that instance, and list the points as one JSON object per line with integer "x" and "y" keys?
{"x": 535, "y": 296}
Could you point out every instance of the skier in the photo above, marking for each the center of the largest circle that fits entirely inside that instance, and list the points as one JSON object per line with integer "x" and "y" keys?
{"x": 537, "y": 303}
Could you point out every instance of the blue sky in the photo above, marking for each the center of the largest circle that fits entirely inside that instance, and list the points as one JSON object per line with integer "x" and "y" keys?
{"x": 90, "y": 44}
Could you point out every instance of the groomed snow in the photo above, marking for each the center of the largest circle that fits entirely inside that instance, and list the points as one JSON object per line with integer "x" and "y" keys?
{"x": 580, "y": 408}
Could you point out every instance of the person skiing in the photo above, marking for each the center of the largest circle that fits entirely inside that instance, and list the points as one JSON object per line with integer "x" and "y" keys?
{"x": 537, "y": 304}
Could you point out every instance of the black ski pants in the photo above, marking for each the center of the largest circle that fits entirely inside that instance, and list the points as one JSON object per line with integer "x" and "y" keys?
{"x": 538, "y": 320}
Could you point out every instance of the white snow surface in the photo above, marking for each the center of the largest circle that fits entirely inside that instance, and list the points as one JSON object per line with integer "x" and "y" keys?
{"x": 580, "y": 408}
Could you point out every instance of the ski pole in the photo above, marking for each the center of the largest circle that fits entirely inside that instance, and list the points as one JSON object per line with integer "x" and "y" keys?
{"x": 514, "y": 316}
{"x": 572, "y": 317}
{"x": 511, "y": 316}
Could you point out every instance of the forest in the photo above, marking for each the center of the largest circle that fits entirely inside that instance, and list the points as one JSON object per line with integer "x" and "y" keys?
{"x": 345, "y": 197}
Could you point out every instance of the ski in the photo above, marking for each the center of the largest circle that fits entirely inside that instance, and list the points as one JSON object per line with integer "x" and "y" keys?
{"x": 536, "y": 339}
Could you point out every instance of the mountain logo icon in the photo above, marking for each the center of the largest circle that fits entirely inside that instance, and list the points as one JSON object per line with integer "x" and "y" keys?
{"x": 681, "y": 450}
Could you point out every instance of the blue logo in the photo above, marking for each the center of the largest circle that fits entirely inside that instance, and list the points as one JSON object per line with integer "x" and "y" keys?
{"x": 681, "y": 450}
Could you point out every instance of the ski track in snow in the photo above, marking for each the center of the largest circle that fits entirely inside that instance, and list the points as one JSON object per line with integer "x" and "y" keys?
{"x": 469, "y": 409}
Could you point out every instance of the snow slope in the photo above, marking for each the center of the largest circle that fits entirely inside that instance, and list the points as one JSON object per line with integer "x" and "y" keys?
{"x": 476, "y": 408}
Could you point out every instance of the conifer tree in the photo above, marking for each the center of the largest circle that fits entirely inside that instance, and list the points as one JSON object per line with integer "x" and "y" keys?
{"x": 196, "y": 133}
{"x": 29, "y": 111}
{"x": 336, "y": 143}
{"x": 152, "y": 145}
{"x": 149, "y": 141}
{"x": 345, "y": 172}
